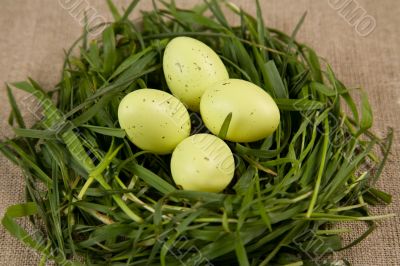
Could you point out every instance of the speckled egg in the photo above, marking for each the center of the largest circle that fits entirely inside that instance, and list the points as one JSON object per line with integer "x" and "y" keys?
{"x": 154, "y": 120}
{"x": 202, "y": 162}
{"x": 191, "y": 67}
{"x": 255, "y": 114}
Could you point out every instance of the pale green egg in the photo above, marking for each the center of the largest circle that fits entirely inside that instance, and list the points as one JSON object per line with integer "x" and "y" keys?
{"x": 191, "y": 67}
{"x": 154, "y": 120}
{"x": 202, "y": 162}
{"x": 255, "y": 114}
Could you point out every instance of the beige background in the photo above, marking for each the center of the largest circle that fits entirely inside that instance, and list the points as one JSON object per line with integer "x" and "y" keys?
{"x": 34, "y": 33}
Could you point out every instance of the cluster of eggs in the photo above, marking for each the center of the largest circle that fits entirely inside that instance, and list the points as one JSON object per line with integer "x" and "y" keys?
{"x": 159, "y": 122}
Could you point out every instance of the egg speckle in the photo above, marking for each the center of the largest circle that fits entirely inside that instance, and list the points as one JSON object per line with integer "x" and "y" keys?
{"x": 190, "y": 67}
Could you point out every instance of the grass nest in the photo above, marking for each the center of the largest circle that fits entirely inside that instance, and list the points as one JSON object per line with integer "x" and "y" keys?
{"x": 99, "y": 198}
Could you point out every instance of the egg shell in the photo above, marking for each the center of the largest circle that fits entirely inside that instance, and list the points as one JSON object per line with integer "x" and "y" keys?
{"x": 255, "y": 114}
{"x": 190, "y": 67}
{"x": 202, "y": 162}
{"x": 154, "y": 120}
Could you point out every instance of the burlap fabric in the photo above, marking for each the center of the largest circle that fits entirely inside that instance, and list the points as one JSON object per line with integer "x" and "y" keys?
{"x": 34, "y": 33}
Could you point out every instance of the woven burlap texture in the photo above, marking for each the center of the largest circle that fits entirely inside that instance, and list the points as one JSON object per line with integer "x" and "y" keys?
{"x": 34, "y": 34}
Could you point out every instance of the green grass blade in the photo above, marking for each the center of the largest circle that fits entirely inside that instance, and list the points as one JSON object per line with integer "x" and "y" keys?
{"x": 225, "y": 126}
{"x": 114, "y": 10}
{"x": 152, "y": 179}
{"x": 366, "y": 113}
{"x": 130, "y": 9}
{"x": 240, "y": 250}
{"x": 110, "y": 55}
{"x": 14, "y": 108}
{"x": 315, "y": 66}
{"x": 298, "y": 104}
{"x": 112, "y": 132}
{"x": 321, "y": 168}
{"x": 275, "y": 82}
{"x": 34, "y": 133}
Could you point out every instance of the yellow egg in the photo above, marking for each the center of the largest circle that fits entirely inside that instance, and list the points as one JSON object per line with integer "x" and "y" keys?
{"x": 255, "y": 114}
{"x": 190, "y": 67}
{"x": 154, "y": 120}
{"x": 202, "y": 162}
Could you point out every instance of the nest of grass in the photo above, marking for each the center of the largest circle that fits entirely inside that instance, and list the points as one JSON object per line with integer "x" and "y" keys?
{"x": 108, "y": 202}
